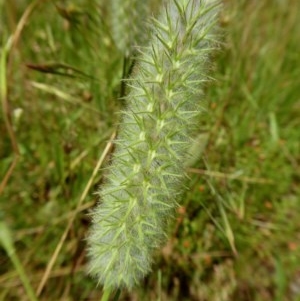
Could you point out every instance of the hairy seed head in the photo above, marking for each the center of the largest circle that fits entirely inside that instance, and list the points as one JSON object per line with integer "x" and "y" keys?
{"x": 145, "y": 178}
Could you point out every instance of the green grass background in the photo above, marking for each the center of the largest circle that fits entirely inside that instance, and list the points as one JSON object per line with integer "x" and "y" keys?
{"x": 236, "y": 236}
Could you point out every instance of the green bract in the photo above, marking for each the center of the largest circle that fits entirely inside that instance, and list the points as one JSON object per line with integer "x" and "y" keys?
{"x": 145, "y": 178}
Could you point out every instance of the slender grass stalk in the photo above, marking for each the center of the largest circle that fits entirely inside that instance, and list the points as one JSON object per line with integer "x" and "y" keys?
{"x": 144, "y": 182}
{"x": 106, "y": 295}
{"x": 7, "y": 243}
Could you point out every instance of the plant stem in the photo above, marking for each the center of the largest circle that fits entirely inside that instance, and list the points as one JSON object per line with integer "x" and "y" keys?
{"x": 106, "y": 295}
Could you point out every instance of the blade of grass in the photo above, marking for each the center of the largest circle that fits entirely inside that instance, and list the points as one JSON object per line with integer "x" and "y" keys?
{"x": 4, "y": 102}
{"x": 235, "y": 176}
{"x": 63, "y": 95}
{"x": 228, "y": 230}
{"x": 72, "y": 218}
{"x": 8, "y": 245}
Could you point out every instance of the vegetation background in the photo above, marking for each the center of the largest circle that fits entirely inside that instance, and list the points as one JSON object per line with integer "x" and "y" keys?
{"x": 237, "y": 232}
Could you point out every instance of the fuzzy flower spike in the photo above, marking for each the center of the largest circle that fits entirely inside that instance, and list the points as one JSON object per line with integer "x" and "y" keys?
{"x": 145, "y": 178}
